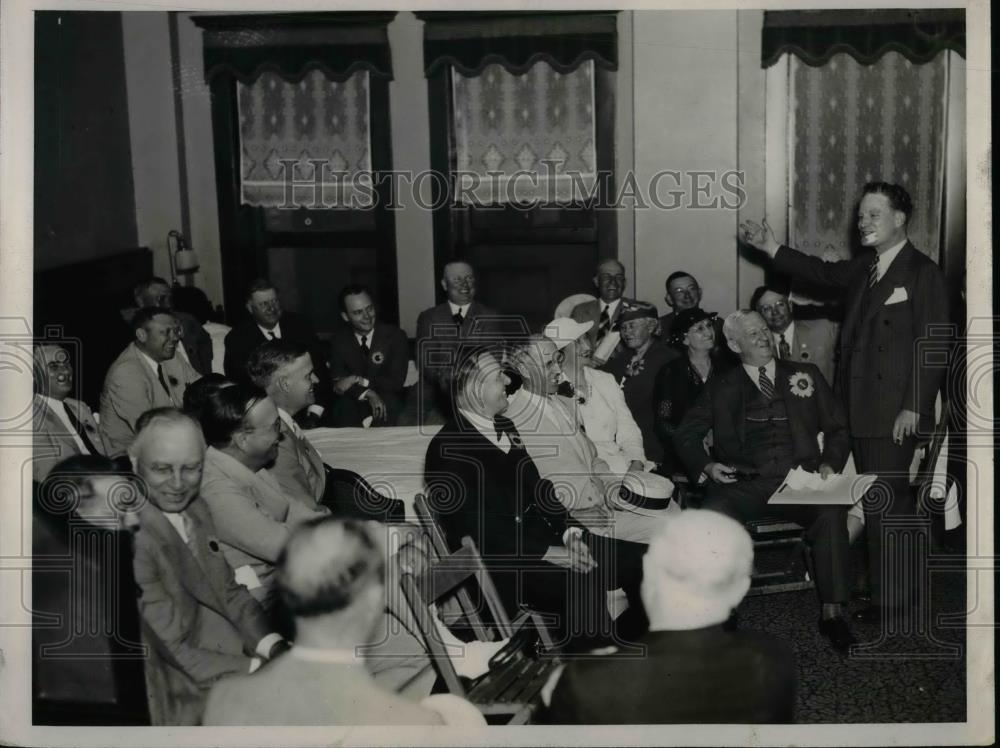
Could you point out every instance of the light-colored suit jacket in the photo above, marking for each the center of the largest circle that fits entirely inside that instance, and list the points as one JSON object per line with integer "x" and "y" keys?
{"x": 609, "y": 422}
{"x": 299, "y": 469}
{"x": 202, "y": 625}
{"x": 290, "y": 691}
{"x": 53, "y": 442}
{"x": 253, "y": 516}
{"x": 131, "y": 388}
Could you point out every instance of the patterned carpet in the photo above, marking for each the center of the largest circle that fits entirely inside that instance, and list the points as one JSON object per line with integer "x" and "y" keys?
{"x": 917, "y": 676}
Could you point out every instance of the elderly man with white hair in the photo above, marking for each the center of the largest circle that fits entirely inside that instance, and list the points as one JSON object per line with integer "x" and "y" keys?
{"x": 696, "y": 571}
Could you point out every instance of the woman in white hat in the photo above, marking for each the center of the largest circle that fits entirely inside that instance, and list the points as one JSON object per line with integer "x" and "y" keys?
{"x": 596, "y": 399}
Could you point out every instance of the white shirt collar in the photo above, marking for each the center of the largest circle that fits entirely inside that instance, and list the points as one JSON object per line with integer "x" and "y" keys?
{"x": 59, "y": 408}
{"x": 367, "y": 337}
{"x": 275, "y": 331}
{"x": 152, "y": 364}
{"x": 289, "y": 421}
{"x": 326, "y": 656}
{"x": 455, "y": 309}
{"x": 754, "y": 374}
{"x": 487, "y": 429}
{"x": 789, "y": 333}
{"x": 611, "y": 306}
{"x": 885, "y": 258}
{"x": 177, "y": 522}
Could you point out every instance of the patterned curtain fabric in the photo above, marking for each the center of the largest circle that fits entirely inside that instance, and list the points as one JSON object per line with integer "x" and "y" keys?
{"x": 316, "y": 118}
{"x": 858, "y": 123}
{"x": 511, "y": 125}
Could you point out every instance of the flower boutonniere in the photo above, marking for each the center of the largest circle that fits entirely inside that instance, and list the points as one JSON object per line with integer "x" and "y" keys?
{"x": 802, "y": 384}
{"x": 173, "y": 381}
{"x": 635, "y": 366}
{"x": 378, "y": 358}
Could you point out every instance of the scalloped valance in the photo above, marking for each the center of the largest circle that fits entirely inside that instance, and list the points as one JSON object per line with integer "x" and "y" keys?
{"x": 814, "y": 36}
{"x": 293, "y": 44}
{"x": 471, "y": 40}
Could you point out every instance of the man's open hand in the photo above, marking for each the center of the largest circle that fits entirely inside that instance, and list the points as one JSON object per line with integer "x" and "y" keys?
{"x": 905, "y": 425}
{"x": 377, "y": 404}
{"x": 720, "y": 473}
{"x": 759, "y": 235}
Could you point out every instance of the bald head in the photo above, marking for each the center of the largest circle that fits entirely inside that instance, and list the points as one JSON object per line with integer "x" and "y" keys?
{"x": 332, "y": 565}
{"x": 610, "y": 280}
{"x": 459, "y": 281}
{"x": 168, "y": 454}
{"x": 697, "y": 569}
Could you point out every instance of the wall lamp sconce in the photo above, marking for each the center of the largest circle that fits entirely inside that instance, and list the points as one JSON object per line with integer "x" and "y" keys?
{"x": 183, "y": 259}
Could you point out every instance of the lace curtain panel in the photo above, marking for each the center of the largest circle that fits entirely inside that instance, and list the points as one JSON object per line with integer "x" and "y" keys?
{"x": 315, "y": 118}
{"x": 855, "y": 123}
{"x": 524, "y": 138}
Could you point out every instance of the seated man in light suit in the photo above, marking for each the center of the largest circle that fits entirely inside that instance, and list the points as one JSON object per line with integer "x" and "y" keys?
{"x": 331, "y": 577}
{"x": 368, "y": 363}
{"x": 697, "y": 571}
{"x": 253, "y": 514}
{"x": 196, "y": 344}
{"x": 146, "y": 375}
{"x": 766, "y": 417}
{"x": 63, "y": 426}
{"x": 812, "y": 340}
{"x": 204, "y": 624}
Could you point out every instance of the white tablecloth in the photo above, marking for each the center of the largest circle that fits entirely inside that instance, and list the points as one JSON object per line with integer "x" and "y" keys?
{"x": 390, "y": 458}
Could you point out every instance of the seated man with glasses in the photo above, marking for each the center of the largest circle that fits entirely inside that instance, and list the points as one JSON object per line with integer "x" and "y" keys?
{"x": 146, "y": 375}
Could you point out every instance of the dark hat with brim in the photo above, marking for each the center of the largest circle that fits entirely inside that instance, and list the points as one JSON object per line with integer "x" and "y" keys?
{"x": 636, "y": 310}
{"x": 684, "y": 321}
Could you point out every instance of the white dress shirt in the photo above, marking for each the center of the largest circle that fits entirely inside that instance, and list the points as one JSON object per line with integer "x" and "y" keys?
{"x": 754, "y": 374}
{"x": 488, "y": 429}
{"x": 464, "y": 309}
{"x": 885, "y": 258}
{"x": 612, "y": 307}
{"x": 59, "y": 408}
{"x": 789, "y": 334}
{"x": 275, "y": 332}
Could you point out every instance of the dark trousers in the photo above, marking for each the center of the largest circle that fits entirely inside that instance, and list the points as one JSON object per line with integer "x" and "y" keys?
{"x": 826, "y": 528}
{"x": 892, "y": 567}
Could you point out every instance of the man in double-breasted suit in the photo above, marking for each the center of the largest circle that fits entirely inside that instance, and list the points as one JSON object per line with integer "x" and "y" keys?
{"x": 268, "y": 321}
{"x": 63, "y": 426}
{"x": 201, "y": 623}
{"x": 766, "y": 416}
{"x": 810, "y": 340}
{"x": 442, "y": 330}
{"x": 893, "y": 356}
{"x": 146, "y": 375}
{"x": 368, "y": 363}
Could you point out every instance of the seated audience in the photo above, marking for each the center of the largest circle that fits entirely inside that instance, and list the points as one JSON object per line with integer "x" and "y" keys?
{"x": 605, "y": 312}
{"x": 331, "y": 577}
{"x": 254, "y": 516}
{"x": 368, "y": 364}
{"x": 441, "y": 332}
{"x": 86, "y": 654}
{"x": 487, "y": 486}
{"x": 62, "y": 426}
{"x": 684, "y": 293}
{"x": 146, "y": 375}
{"x": 636, "y": 365}
{"x": 599, "y": 402}
{"x": 202, "y": 624}
{"x": 197, "y": 392}
{"x": 812, "y": 340}
{"x": 695, "y": 671}
{"x": 765, "y": 417}
{"x": 680, "y": 382}
{"x": 195, "y": 345}
{"x": 267, "y": 321}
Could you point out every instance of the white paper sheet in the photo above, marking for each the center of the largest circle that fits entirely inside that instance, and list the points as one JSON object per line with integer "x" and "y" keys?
{"x": 803, "y": 487}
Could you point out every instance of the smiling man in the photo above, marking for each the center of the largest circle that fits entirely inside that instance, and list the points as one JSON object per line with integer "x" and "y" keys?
{"x": 146, "y": 375}
{"x": 610, "y": 281}
{"x": 892, "y": 362}
{"x": 368, "y": 362}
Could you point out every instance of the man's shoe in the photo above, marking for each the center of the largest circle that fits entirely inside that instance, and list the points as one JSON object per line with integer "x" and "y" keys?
{"x": 870, "y": 613}
{"x": 838, "y": 632}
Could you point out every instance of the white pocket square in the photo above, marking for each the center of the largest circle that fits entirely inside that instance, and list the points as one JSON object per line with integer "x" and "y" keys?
{"x": 898, "y": 295}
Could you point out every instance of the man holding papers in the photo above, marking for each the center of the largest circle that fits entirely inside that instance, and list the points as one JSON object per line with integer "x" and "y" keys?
{"x": 765, "y": 417}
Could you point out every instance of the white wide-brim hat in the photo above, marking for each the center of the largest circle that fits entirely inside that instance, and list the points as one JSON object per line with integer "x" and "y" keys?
{"x": 563, "y": 330}
{"x": 644, "y": 493}
{"x": 567, "y": 305}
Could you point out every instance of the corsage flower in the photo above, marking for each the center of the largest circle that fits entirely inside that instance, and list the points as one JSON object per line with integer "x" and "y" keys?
{"x": 378, "y": 358}
{"x": 802, "y": 384}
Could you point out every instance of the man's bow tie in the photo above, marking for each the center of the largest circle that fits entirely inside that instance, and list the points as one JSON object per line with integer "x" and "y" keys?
{"x": 504, "y": 425}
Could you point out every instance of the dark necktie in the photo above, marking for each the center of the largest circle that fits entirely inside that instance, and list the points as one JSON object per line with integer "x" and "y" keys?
{"x": 504, "y": 425}
{"x": 163, "y": 380}
{"x": 873, "y": 274}
{"x": 78, "y": 426}
{"x": 458, "y": 318}
{"x": 784, "y": 350}
{"x": 363, "y": 345}
{"x": 604, "y": 323}
{"x": 766, "y": 385}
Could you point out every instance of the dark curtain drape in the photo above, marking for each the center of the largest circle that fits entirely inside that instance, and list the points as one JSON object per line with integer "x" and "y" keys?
{"x": 292, "y": 45}
{"x": 470, "y": 41}
{"x": 814, "y": 36}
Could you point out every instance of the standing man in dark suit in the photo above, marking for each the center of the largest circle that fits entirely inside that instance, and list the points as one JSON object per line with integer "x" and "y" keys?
{"x": 267, "y": 321}
{"x": 441, "y": 331}
{"x": 765, "y": 417}
{"x": 812, "y": 340}
{"x": 609, "y": 279}
{"x": 512, "y": 514}
{"x": 887, "y": 373}
{"x": 368, "y": 362}
{"x": 694, "y": 671}
{"x": 204, "y": 625}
